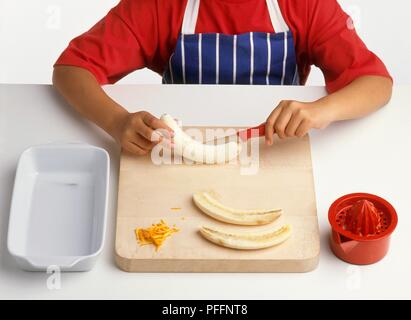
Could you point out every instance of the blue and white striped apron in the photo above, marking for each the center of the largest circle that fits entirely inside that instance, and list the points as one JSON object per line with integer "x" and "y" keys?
{"x": 250, "y": 58}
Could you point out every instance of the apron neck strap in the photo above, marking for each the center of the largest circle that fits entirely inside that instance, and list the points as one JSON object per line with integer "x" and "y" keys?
{"x": 276, "y": 16}
{"x": 190, "y": 17}
{"x": 191, "y": 14}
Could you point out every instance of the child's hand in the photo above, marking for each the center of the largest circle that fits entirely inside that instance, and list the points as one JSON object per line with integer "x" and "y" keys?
{"x": 295, "y": 119}
{"x": 136, "y": 132}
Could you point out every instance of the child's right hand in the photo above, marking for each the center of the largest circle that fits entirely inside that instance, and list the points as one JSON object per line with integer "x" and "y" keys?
{"x": 136, "y": 132}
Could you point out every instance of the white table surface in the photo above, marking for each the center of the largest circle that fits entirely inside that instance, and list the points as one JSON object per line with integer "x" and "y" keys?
{"x": 370, "y": 155}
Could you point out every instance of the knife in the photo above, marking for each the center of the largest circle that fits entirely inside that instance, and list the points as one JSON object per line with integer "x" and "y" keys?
{"x": 244, "y": 135}
{"x": 249, "y": 133}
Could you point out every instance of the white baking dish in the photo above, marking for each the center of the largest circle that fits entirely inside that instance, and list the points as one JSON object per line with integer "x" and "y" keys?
{"x": 59, "y": 207}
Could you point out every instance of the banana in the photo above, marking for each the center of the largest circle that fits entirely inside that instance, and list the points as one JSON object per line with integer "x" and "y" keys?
{"x": 193, "y": 150}
{"x": 247, "y": 241}
{"x": 210, "y": 206}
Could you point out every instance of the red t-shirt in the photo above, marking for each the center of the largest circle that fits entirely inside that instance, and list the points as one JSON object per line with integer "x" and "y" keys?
{"x": 143, "y": 33}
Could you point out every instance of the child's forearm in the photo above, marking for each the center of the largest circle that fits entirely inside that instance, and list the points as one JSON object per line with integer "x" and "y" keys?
{"x": 360, "y": 98}
{"x": 295, "y": 119}
{"x": 135, "y": 132}
{"x": 82, "y": 91}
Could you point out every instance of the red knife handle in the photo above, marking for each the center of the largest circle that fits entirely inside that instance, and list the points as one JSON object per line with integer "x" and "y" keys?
{"x": 252, "y": 132}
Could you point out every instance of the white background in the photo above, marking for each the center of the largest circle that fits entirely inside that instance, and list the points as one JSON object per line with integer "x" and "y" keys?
{"x": 34, "y": 32}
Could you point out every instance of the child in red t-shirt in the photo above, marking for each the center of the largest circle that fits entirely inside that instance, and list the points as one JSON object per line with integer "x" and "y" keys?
{"x": 257, "y": 42}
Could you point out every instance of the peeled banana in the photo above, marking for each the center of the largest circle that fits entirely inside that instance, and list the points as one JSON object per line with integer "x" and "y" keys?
{"x": 210, "y": 206}
{"x": 247, "y": 241}
{"x": 198, "y": 152}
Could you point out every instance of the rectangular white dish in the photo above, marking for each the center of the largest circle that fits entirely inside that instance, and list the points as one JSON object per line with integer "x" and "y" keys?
{"x": 59, "y": 207}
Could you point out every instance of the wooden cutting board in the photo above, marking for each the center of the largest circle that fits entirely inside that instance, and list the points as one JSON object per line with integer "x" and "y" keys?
{"x": 148, "y": 193}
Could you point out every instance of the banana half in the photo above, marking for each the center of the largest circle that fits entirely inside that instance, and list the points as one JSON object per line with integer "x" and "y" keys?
{"x": 210, "y": 206}
{"x": 198, "y": 152}
{"x": 247, "y": 241}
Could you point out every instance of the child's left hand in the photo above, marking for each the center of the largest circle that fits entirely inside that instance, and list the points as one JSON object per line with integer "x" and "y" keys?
{"x": 295, "y": 119}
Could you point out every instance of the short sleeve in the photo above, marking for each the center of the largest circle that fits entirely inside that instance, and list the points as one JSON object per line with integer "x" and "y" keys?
{"x": 120, "y": 43}
{"x": 335, "y": 47}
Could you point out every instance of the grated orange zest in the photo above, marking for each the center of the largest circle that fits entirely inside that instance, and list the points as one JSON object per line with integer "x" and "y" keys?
{"x": 156, "y": 234}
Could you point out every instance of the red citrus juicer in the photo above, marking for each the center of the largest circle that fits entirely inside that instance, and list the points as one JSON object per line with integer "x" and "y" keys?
{"x": 361, "y": 225}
